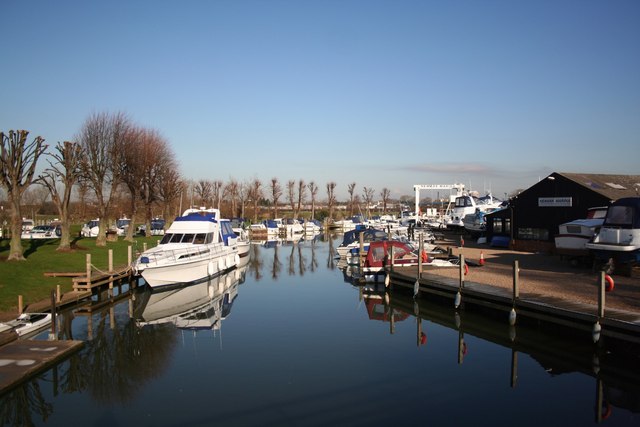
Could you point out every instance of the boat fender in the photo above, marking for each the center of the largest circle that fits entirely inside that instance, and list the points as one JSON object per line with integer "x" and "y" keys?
{"x": 210, "y": 268}
{"x": 466, "y": 269}
{"x": 425, "y": 257}
{"x": 423, "y": 338}
{"x": 236, "y": 259}
{"x": 609, "y": 284}
{"x": 221, "y": 264}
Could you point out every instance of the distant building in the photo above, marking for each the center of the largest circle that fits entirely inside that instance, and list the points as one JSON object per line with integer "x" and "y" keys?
{"x": 531, "y": 221}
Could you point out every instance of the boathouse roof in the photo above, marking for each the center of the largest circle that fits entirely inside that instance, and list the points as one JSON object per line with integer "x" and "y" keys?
{"x": 612, "y": 187}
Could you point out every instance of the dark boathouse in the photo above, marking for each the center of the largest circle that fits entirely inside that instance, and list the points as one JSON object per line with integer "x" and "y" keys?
{"x": 530, "y": 222}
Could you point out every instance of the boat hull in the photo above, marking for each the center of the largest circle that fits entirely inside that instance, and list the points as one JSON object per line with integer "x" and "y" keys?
{"x": 188, "y": 272}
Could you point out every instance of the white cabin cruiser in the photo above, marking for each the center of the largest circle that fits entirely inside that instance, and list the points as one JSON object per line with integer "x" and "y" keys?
{"x": 199, "y": 244}
{"x": 618, "y": 241}
{"x": 573, "y": 236}
{"x": 469, "y": 204}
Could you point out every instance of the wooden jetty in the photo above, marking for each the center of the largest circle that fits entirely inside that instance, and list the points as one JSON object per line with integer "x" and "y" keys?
{"x": 22, "y": 359}
{"x": 465, "y": 294}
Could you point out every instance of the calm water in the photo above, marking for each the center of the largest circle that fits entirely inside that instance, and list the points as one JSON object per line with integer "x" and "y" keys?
{"x": 287, "y": 341}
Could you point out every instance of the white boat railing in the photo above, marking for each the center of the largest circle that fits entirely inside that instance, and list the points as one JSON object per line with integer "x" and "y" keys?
{"x": 181, "y": 255}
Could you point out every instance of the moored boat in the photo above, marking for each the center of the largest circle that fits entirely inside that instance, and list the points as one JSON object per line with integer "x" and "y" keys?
{"x": 470, "y": 204}
{"x": 618, "y": 241}
{"x": 573, "y": 236}
{"x": 351, "y": 239}
{"x": 197, "y": 245}
{"x": 27, "y": 323}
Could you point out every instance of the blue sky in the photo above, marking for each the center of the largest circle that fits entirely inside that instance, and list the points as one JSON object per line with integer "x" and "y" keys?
{"x": 492, "y": 94}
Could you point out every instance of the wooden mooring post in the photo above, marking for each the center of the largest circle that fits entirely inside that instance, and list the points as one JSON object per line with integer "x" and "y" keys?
{"x": 516, "y": 292}
{"x": 420, "y": 251}
{"x": 601, "y": 307}
{"x": 88, "y": 269}
{"x": 458, "y": 299}
{"x": 53, "y": 335}
{"x": 110, "y": 293}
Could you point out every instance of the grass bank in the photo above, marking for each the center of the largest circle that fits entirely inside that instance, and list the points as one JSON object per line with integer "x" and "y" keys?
{"x": 27, "y": 278}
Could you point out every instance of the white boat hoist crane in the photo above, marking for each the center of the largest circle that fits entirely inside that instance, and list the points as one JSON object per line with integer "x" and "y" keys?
{"x": 459, "y": 191}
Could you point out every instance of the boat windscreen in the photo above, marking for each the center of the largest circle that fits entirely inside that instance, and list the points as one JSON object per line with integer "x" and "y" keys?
{"x": 620, "y": 216}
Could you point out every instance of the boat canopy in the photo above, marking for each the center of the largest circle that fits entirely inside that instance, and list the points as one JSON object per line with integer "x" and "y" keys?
{"x": 370, "y": 235}
{"x": 198, "y": 216}
{"x": 624, "y": 213}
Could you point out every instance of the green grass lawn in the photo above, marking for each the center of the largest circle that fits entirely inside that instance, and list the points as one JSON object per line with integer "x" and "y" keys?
{"x": 27, "y": 278}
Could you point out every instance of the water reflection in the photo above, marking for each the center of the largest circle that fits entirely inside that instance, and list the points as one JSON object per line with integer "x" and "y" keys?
{"x": 289, "y": 256}
{"x": 201, "y": 306}
{"x": 121, "y": 355}
{"x": 314, "y": 353}
{"x": 557, "y": 350}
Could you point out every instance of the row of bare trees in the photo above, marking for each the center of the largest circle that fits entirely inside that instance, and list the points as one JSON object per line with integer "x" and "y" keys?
{"x": 108, "y": 153}
{"x": 111, "y": 156}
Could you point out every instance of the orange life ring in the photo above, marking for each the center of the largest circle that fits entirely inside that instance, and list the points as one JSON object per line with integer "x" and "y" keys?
{"x": 607, "y": 410}
{"x": 609, "y": 284}
{"x": 425, "y": 258}
{"x": 466, "y": 269}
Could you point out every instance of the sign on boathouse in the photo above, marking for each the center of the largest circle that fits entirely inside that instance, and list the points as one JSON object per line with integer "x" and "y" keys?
{"x": 555, "y": 202}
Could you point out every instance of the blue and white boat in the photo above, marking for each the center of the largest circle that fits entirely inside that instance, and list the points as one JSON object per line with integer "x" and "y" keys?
{"x": 351, "y": 240}
{"x": 199, "y": 244}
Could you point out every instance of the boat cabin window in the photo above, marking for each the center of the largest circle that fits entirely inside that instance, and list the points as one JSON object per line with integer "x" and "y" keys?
{"x": 209, "y": 238}
{"x": 188, "y": 238}
{"x": 619, "y": 215}
{"x": 402, "y": 253}
{"x": 462, "y": 202}
{"x": 377, "y": 253}
{"x": 172, "y": 238}
{"x": 199, "y": 239}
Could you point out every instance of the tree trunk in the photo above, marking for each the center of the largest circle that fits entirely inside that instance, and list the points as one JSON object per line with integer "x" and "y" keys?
{"x": 15, "y": 248}
{"x": 65, "y": 240}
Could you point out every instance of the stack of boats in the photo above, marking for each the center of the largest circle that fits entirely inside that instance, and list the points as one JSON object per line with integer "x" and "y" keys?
{"x": 284, "y": 227}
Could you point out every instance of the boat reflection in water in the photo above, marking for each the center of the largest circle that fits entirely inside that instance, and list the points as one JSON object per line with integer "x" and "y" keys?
{"x": 612, "y": 364}
{"x": 198, "y": 306}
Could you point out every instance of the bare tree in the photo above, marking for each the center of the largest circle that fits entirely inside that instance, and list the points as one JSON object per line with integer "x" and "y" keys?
{"x": 255, "y": 194}
{"x": 83, "y": 191}
{"x": 302, "y": 190}
{"x": 34, "y": 199}
{"x": 243, "y": 194}
{"x": 171, "y": 187}
{"x": 102, "y": 138}
{"x": 18, "y": 160}
{"x": 313, "y": 191}
{"x": 66, "y": 171}
{"x": 351, "y": 189}
{"x": 131, "y": 162}
{"x": 204, "y": 191}
{"x": 147, "y": 160}
{"x": 276, "y": 193}
{"x": 385, "y": 195}
{"x": 331, "y": 197}
{"x": 216, "y": 188}
{"x": 368, "y": 194}
{"x": 231, "y": 192}
{"x": 291, "y": 189}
